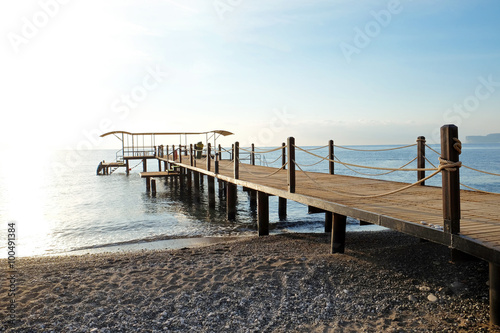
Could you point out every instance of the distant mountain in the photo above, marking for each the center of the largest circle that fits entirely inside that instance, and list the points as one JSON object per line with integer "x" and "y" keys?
{"x": 490, "y": 138}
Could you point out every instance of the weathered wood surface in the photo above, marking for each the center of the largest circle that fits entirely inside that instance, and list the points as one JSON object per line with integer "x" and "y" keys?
{"x": 417, "y": 211}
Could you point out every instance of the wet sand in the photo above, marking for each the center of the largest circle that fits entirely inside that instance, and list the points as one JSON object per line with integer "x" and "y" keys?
{"x": 385, "y": 282}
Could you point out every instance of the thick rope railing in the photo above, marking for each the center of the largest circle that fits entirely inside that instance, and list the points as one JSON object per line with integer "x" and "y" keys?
{"x": 486, "y": 172}
{"x": 244, "y": 166}
{"x": 378, "y": 174}
{"x": 277, "y": 158}
{"x": 317, "y": 148}
{"x": 364, "y": 166}
{"x": 375, "y": 150}
{"x": 262, "y": 151}
{"x": 444, "y": 164}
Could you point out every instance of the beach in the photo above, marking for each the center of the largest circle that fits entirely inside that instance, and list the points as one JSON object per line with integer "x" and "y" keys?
{"x": 385, "y": 282}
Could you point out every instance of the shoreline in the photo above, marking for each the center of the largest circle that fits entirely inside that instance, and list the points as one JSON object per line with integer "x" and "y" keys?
{"x": 278, "y": 283}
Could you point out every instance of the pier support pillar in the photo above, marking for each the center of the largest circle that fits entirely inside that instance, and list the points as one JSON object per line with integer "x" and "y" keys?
{"x": 328, "y": 222}
{"x": 338, "y": 233}
{"x": 222, "y": 188}
{"x": 263, "y": 213}
{"x": 196, "y": 181}
{"x": 282, "y": 208}
{"x": 231, "y": 201}
{"x": 128, "y": 167}
{"x": 148, "y": 184}
{"x": 189, "y": 179}
{"x": 494, "y": 294}
{"x": 211, "y": 191}
{"x": 153, "y": 186}
{"x": 144, "y": 165}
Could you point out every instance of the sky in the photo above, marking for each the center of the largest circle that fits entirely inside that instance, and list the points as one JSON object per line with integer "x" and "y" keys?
{"x": 357, "y": 72}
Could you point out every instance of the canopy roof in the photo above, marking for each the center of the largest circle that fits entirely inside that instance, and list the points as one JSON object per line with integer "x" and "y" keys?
{"x": 221, "y": 132}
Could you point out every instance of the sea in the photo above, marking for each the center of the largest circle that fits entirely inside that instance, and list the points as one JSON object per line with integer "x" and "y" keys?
{"x": 55, "y": 204}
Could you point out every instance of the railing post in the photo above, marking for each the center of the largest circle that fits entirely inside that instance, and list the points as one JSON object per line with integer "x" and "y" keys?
{"x": 283, "y": 155}
{"x": 209, "y": 152}
{"x": 236, "y": 155}
{"x": 173, "y": 153}
{"x": 291, "y": 164}
{"x": 421, "y": 158}
{"x": 331, "y": 155}
{"x": 180, "y": 154}
{"x": 191, "y": 156}
{"x": 451, "y": 180}
{"x": 220, "y": 152}
{"x": 252, "y": 155}
{"x": 216, "y": 162}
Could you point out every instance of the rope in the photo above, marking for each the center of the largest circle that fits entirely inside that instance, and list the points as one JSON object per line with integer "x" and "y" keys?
{"x": 444, "y": 164}
{"x": 457, "y": 145}
{"x": 318, "y": 148}
{"x": 475, "y": 189}
{"x": 281, "y": 155}
{"x": 369, "y": 150}
{"x": 136, "y": 166}
{"x": 432, "y": 149}
{"x": 263, "y": 176}
{"x": 378, "y": 174}
{"x": 486, "y": 172}
{"x": 310, "y": 165}
{"x": 270, "y": 150}
{"x": 364, "y": 166}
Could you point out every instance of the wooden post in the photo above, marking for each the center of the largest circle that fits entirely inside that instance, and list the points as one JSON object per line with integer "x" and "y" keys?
{"x": 451, "y": 180}
{"x": 159, "y": 165}
{"x": 211, "y": 191}
{"x": 153, "y": 185}
{"x": 191, "y": 156}
{"x": 180, "y": 154}
{"x": 196, "y": 180}
{"x": 421, "y": 158}
{"x": 252, "y": 155}
{"x": 144, "y": 165}
{"x": 331, "y": 155}
{"x": 148, "y": 184}
{"x": 282, "y": 208}
{"x": 222, "y": 188}
{"x": 173, "y": 153}
{"x": 253, "y": 198}
{"x": 128, "y": 167}
{"x": 216, "y": 162}
{"x": 167, "y": 166}
{"x": 189, "y": 179}
{"x": 209, "y": 152}
{"x": 494, "y": 275}
{"x": 231, "y": 201}
{"x": 236, "y": 154}
{"x": 283, "y": 155}
{"x": 291, "y": 165}
{"x": 263, "y": 213}
{"x": 328, "y": 221}
{"x": 338, "y": 233}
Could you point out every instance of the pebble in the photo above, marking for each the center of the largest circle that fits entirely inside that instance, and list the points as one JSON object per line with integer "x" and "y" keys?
{"x": 432, "y": 298}
{"x": 412, "y": 298}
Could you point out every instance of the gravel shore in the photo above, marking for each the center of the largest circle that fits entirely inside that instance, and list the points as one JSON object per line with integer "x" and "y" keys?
{"x": 385, "y": 282}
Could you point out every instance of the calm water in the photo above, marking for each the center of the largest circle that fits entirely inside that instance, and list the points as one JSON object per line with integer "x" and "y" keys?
{"x": 59, "y": 205}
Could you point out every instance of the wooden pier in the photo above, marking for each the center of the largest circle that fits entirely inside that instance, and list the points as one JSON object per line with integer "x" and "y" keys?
{"x": 468, "y": 222}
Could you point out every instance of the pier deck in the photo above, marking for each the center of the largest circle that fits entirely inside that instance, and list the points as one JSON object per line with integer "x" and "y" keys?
{"x": 417, "y": 211}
